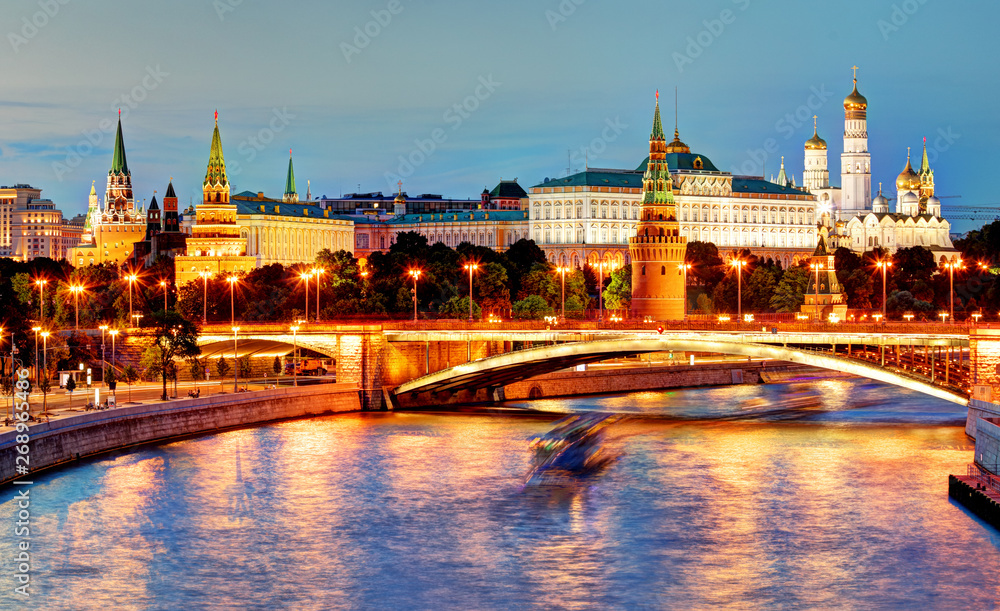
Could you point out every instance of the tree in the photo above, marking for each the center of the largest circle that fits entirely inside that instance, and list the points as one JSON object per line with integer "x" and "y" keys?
{"x": 45, "y": 385}
{"x": 196, "y": 367}
{"x": 458, "y": 307}
{"x": 222, "y": 368}
{"x": 574, "y": 307}
{"x": 704, "y": 304}
{"x": 618, "y": 295}
{"x": 130, "y": 375}
{"x": 759, "y": 288}
{"x": 707, "y": 267}
{"x": 542, "y": 282}
{"x": 174, "y": 337}
{"x": 70, "y": 387}
{"x": 276, "y": 366}
{"x": 245, "y": 366}
{"x": 859, "y": 288}
{"x": 789, "y": 295}
{"x": 492, "y": 288}
{"x": 532, "y": 307}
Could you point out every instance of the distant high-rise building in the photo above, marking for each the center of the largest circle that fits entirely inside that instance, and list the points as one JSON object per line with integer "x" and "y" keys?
{"x": 31, "y": 227}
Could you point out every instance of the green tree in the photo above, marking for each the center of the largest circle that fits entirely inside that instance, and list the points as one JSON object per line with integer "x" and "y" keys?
{"x": 492, "y": 289}
{"x": 173, "y": 337}
{"x": 759, "y": 289}
{"x": 130, "y": 375}
{"x": 276, "y": 366}
{"x": 705, "y": 304}
{"x": 246, "y": 367}
{"x": 618, "y": 295}
{"x": 859, "y": 288}
{"x": 789, "y": 295}
{"x": 542, "y": 282}
{"x": 707, "y": 267}
{"x": 70, "y": 387}
{"x": 532, "y": 307}
{"x": 222, "y": 368}
{"x": 196, "y": 367}
{"x": 458, "y": 307}
{"x": 574, "y": 307}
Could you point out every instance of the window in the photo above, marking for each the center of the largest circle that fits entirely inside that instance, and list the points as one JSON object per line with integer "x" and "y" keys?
{"x": 643, "y": 270}
{"x": 663, "y": 270}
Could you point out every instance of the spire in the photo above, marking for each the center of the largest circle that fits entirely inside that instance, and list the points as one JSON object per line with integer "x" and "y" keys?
{"x": 657, "y": 133}
{"x": 782, "y": 177}
{"x": 152, "y": 203}
{"x": 309, "y": 191}
{"x": 925, "y": 165}
{"x": 216, "y": 174}
{"x": 170, "y": 189}
{"x": 821, "y": 250}
{"x": 290, "y": 180}
{"x": 119, "y": 165}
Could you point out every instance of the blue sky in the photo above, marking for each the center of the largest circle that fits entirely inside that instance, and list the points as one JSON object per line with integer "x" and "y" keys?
{"x": 532, "y": 80}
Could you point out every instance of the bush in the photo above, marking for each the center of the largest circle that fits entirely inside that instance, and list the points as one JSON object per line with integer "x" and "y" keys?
{"x": 532, "y": 307}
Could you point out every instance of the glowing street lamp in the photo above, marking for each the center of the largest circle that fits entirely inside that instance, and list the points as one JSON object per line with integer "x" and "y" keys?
{"x": 685, "y": 267}
{"x": 131, "y": 280}
{"x": 41, "y": 298}
{"x": 76, "y": 289}
{"x": 233, "y": 281}
{"x": 236, "y": 360}
{"x": 944, "y": 316}
{"x": 908, "y": 317}
{"x": 45, "y": 352}
{"x": 471, "y": 267}
{"x": 306, "y": 276}
{"x": 976, "y": 316}
{"x": 163, "y": 285}
{"x": 738, "y": 265}
{"x": 36, "y": 330}
{"x": 817, "y": 267}
{"x": 415, "y": 274}
{"x": 104, "y": 363}
{"x": 317, "y": 271}
{"x": 562, "y": 272}
{"x": 295, "y": 354}
{"x": 204, "y": 301}
{"x": 883, "y": 265}
{"x": 951, "y": 266}
{"x": 114, "y": 334}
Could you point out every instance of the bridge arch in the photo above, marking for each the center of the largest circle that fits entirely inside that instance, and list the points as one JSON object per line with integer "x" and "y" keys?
{"x": 213, "y": 346}
{"x": 498, "y": 371}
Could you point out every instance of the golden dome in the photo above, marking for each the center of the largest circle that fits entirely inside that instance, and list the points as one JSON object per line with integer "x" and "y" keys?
{"x": 815, "y": 143}
{"x": 908, "y": 180}
{"x": 855, "y": 101}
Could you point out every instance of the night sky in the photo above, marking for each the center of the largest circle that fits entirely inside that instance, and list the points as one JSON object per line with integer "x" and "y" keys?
{"x": 469, "y": 92}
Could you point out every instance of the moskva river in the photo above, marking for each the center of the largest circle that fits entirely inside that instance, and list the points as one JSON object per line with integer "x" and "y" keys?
{"x": 845, "y": 508}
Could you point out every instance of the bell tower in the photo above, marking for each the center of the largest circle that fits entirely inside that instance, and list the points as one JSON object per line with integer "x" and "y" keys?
{"x": 657, "y": 250}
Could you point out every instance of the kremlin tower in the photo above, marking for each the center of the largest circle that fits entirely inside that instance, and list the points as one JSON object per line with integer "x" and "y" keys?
{"x": 657, "y": 250}
{"x": 856, "y": 161}
{"x": 170, "y": 220}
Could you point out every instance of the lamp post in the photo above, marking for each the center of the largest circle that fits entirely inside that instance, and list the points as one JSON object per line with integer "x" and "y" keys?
{"x": 415, "y": 274}
{"x": 471, "y": 267}
{"x": 76, "y": 289}
{"x": 41, "y": 300}
{"x": 204, "y": 301}
{"x": 45, "y": 351}
{"x": 131, "y": 280}
{"x": 104, "y": 363}
{"x": 36, "y": 330}
{"x": 562, "y": 272}
{"x": 738, "y": 265}
{"x": 236, "y": 360}
{"x": 883, "y": 265}
{"x": 684, "y": 267}
{"x": 952, "y": 266}
{"x": 295, "y": 354}
{"x": 232, "y": 280}
{"x": 163, "y": 285}
{"x": 317, "y": 271}
{"x": 817, "y": 267}
{"x": 114, "y": 334}
{"x": 305, "y": 276}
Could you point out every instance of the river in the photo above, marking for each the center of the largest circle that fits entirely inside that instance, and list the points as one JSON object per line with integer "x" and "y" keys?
{"x": 846, "y": 508}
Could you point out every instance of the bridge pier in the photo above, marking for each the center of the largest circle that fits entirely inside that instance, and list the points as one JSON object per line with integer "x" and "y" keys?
{"x": 984, "y": 360}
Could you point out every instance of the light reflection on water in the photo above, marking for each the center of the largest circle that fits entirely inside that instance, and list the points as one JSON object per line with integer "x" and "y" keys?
{"x": 380, "y": 511}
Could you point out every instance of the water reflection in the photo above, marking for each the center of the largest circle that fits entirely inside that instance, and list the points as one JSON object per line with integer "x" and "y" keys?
{"x": 417, "y": 511}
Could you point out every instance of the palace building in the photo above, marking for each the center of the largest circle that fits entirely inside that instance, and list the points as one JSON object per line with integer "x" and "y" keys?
{"x": 113, "y": 227}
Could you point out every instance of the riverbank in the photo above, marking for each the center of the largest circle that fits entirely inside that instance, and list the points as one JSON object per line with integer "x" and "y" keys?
{"x": 77, "y": 436}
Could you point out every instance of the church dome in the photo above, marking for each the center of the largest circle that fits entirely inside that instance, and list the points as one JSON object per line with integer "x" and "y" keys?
{"x": 933, "y": 201}
{"x": 908, "y": 180}
{"x": 815, "y": 143}
{"x": 855, "y": 101}
{"x": 909, "y": 198}
{"x": 880, "y": 201}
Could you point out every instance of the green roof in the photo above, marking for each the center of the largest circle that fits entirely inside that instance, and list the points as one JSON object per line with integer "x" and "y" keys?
{"x": 508, "y": 189}
{"x": 216, "y": 174}
{"x": 119, "y": 165}
{"x": 290, "y": 181}
{"x": 683, "y": 161}
{"x": 464, "y": 216}
{"x": 657, "y": 133}
{"x": 598, "y": 178}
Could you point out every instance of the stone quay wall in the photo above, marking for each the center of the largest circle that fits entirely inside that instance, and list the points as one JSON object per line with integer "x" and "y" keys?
{"x": 67, "y": 439}
{"x": 977, "y": 410}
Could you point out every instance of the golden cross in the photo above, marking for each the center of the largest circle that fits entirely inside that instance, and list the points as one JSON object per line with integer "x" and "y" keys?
{"x": 814, "y": 122}
{"x": 855, "y": 68}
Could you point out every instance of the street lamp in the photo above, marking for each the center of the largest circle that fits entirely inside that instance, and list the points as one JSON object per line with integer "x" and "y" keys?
{"x": 232, "y": 280}
{"x": 318, "y": 271}
{"x": 738, "y": 265}
{"x": 944, "y": 316}
{"x": 76, "y": 289}
{"x": 817, "y": 267}
{"x": 137, "y": 320}
{"x": 600, "y": 288}
{"x": 883, "y": 265}
{"x": 131, "y": 280}
{"x": 471, "y": 267}
{"x": 45, "y": 352}
{"x": 562, "y": 272}
{"x": 41, "y": 299}
{"x": 305, "y": 276}
{"x": 104, "y": 363}
{"x": 163, "y": 285}
{"x": 295, "y": 355}
{"x": 36, "y": 330}
{"x": 236, "y": 360}
{"x": 114, "y": 334}
{"x": 977, "y": 316}
{"x": 364, "y": 281}
{"x": 415, "y": 274}
{"x": 685, "y": 267}
{"x": 204, "y": 301}
{"x": 951, "y": 267}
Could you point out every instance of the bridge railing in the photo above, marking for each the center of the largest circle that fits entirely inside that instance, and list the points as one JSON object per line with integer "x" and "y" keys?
{"x": 989, "y": 480}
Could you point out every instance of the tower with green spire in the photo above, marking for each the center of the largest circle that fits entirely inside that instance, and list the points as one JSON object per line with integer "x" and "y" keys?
{"x": 926, "y": 180}
{"x": 215, "y": 188}
{"x": 290, "y": 197}
{"x": 658, "y": 250}
{"x": 118, "y": 197}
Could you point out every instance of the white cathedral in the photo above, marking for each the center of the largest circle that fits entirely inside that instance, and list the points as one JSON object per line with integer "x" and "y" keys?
{"x": 859, "y": 222}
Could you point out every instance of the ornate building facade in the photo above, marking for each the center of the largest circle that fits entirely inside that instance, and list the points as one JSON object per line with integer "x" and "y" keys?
{"x": 658, "y": 248}
{"x": 112, "y": 228}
